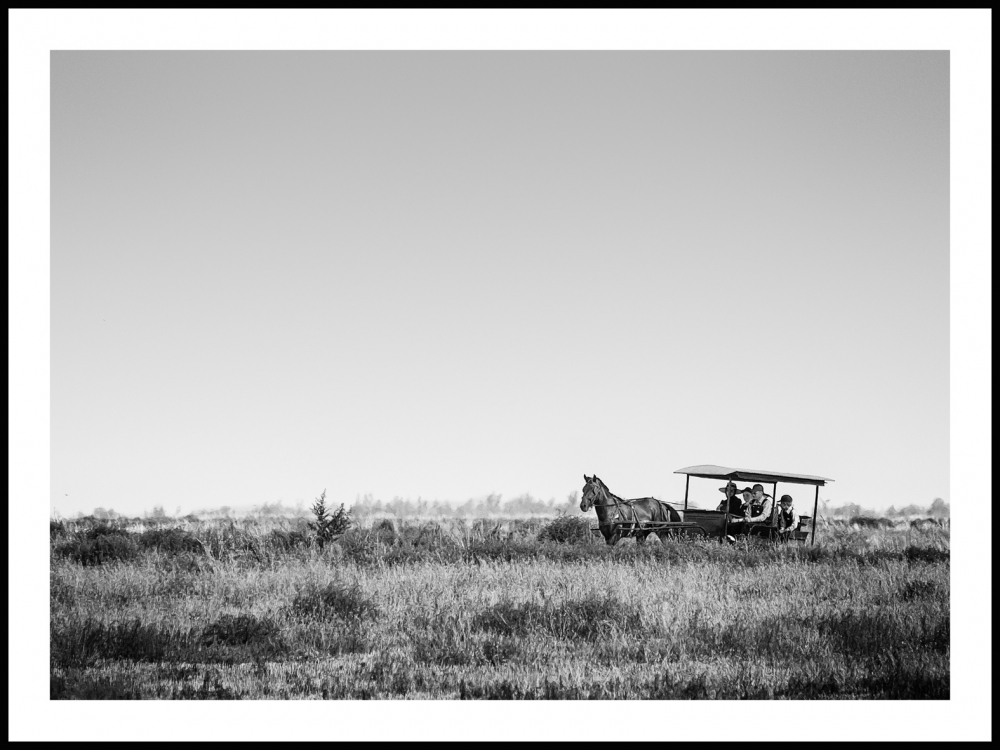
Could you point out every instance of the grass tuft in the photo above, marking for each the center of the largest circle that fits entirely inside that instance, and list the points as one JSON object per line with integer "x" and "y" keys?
{"x": 334, "y": 599}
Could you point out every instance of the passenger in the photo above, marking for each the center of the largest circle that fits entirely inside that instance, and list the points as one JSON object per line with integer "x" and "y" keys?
{"x": 788, "y": 518}
{"x": 747, "y": 499}
{"x": 732, "y": 503}
{"x": 758, "y": 515}
{"x": 737, "y": 521}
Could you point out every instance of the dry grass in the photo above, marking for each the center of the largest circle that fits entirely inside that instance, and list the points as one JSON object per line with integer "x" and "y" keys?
{"x": 411, "y": 611}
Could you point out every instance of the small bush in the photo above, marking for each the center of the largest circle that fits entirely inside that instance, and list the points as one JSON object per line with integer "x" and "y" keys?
{"x": 95, "y": 687}
{"x": 501, "y": 650}
{"x": 97, "y": 528}
{"x": 915, "y": 590}
{"x": 567, "y": 530}
{"x": 347, "y": 602}
{"x": 78, "y": 644}
{"x": 870, "y": 634}
{"x": 170, "y": 540}
{"x": 240, "y": 630}
{"x": 328, "y": 527}
{"x": 429, "y": 536}
{"x": 229, "y": 540}
{"x": 585, "y": 617}
{"x": 287, "y": 540}
{"x": 926, "y": 554}
{"x": 98, "y": 550}
{"x": 868, "y": 522}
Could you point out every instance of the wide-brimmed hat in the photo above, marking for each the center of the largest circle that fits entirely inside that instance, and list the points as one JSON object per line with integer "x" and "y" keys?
{"x": 758, "y": 487}
{"x": 785, "y": 497}
{"x": 730, "y": 484}
{"x": 746, "y": 489}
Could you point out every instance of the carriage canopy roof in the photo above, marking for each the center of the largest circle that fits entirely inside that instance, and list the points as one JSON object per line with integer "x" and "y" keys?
{"x": 710, "y": 471}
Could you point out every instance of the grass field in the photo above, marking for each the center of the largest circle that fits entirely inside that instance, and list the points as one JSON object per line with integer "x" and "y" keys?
{"x": 453, "y": 609}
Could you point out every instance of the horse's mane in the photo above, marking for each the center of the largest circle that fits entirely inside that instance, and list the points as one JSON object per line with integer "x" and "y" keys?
{"x": 600, "y": 483}
{"x": 596, "y": 479}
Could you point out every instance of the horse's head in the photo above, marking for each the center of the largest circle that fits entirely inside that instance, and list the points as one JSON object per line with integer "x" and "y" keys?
{"x": 593, "y": 493}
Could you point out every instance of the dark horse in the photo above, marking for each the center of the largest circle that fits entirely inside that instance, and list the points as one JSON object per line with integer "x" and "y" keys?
{"x": 612, "y": 510}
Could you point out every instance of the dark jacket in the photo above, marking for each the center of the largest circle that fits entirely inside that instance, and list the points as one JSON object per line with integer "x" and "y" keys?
{"x": 735, "y": 505}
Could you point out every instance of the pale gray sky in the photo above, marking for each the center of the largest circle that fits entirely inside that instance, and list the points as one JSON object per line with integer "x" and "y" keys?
{"x": 443, "y": 274}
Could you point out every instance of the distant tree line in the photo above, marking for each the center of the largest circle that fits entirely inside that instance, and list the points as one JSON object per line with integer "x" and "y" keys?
{"x": 937, "y": 509}
{"x": 366, "y": 506}
{"x": 491, "y": 505}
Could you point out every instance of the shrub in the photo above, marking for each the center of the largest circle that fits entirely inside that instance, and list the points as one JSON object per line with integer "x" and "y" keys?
{"x": 95, "y": 687}
{"x": 96, "y": 529}
{"x": 87, "y": 550}
{"x": 79, "y": 644}
{"x": 170, "y": 540}
{"x": 347, "y": 602}
{"x": 240, "y": 630}
{"x": 868, "y": 522}
{"x": 229, "y": 540}
{"x": 286, "y": 540}
{"x": 567, "y": 529}
{"x": 915, "y": 590}
{"x": 926, "y": 554}
{"x": 584, "y": 617}
{"x": 327, "y": 527}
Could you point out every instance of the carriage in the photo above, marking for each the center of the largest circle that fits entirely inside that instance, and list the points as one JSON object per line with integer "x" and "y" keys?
{"x": 622, "y": 518}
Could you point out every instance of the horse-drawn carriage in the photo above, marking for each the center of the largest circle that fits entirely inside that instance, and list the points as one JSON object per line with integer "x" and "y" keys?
{"x": 618, "y": 518}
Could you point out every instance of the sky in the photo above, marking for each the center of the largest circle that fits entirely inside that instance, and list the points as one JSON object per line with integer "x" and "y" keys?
{"x": 448, "y": 274}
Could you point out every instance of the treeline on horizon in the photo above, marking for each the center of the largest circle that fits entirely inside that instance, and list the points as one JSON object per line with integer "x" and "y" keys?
{"x": 492, "y": 505}
{"x": 367, "y": 506}
{"x": 937, "y": 509}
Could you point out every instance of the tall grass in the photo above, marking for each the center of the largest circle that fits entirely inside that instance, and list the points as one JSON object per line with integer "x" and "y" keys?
{"x": 456, "y": 611}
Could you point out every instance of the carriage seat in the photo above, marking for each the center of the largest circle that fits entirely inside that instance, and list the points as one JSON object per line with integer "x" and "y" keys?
{"x": 801, "y": 533}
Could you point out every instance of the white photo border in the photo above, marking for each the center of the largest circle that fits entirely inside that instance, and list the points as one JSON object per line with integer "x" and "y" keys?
{"x": 33, "y": 34}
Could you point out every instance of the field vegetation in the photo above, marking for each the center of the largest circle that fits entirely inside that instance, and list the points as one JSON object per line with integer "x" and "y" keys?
{"x": 274, "y": 607}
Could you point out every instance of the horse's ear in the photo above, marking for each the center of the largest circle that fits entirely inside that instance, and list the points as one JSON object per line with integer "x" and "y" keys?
{"x": 586, "y": 479}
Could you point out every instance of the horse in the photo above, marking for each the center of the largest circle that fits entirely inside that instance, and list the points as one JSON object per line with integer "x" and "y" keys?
{"x": 612, "y": 510}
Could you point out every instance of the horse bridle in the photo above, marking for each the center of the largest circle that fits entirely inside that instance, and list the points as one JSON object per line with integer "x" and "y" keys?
{"x": 618, "y": 502}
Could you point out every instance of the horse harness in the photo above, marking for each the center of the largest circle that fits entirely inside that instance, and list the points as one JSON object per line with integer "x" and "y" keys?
{"x": 618, "y": 514}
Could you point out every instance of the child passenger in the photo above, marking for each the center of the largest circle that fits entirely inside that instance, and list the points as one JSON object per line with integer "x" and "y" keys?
{"x": 788, "y": 519}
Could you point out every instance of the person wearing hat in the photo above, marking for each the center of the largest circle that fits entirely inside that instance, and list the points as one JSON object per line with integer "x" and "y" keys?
{"x": 758, "y": 515}
{"x": 737, "y": 520}
{"x": 788, "y": 519}
{"x": 732, "y": 503}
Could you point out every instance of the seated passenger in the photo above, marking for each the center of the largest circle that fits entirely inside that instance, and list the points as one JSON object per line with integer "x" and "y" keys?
{"x": 758, "y": 515}
{"x": 732, "y": 502}
{"x": 788, "y": 518}
{"x": 737, "y": 520}
{"x": 747, "y": 500}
